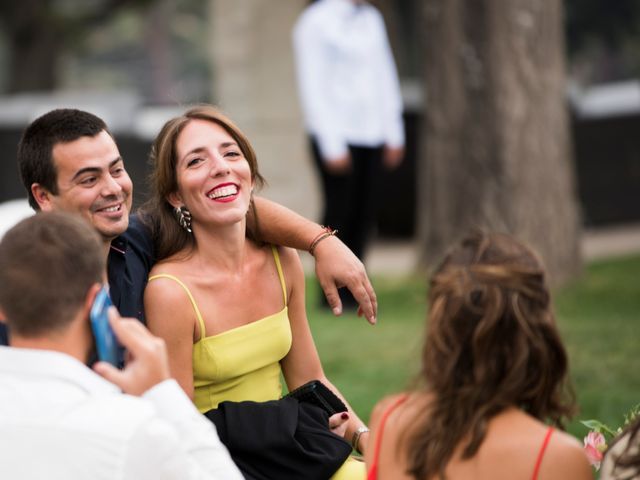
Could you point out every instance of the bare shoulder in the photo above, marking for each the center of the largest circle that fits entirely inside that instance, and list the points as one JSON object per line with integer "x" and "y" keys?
{"x": 389, "y": 438}
{"x": 165, "y": 299}
{"x": 384, "y": 404}
{"x": 565, "y": 458}
{"x": 164, "y": 288}
{"x": 376, "y": 418}
{"x": 289, "y": 257}
{"x": 518, "y": 439}
{"x": 402, "y": 412}
{"x": 291, "y": 268}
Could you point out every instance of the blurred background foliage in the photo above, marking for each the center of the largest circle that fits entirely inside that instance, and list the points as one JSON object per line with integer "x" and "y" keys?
{"x": 159, "y": 48}
{"x": 603, "y": 39}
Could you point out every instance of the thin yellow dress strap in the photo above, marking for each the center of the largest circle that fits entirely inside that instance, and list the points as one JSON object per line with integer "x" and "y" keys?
{"x": 276, "y": 256}
{"x": 193, "y": 301}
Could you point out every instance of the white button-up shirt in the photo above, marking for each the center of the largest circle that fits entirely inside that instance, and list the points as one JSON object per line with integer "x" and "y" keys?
{"x": 347, "y": 79}
{"x": 61, "y": 421}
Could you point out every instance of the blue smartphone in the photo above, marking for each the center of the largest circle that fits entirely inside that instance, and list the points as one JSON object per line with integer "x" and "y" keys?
{"x": 106, "y": 341}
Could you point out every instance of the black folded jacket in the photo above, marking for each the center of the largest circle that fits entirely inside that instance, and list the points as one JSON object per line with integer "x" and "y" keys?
{"x": 280, "y": 439}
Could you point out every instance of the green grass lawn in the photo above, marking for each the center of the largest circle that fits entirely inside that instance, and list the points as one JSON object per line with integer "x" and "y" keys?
{"x": 598, "y": 316}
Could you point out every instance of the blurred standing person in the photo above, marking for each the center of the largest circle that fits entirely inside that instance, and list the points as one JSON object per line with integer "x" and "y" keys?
{"x": 351, "y": 101}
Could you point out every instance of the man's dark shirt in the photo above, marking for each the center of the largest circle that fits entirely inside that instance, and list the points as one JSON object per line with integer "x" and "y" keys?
{"x": 130, "y": 260}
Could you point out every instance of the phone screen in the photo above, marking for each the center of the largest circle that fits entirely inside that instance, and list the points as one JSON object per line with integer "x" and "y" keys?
{"x": 106, "y": 341}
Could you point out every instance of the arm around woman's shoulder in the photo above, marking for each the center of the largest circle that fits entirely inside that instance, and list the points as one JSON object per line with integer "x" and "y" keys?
{"x": 336, "y": 264}
{"x": 565, "y": 458}
{"x": 169, "y": 315}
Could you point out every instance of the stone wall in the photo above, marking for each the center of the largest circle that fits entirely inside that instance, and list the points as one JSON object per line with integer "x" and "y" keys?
{"x": 254, "y": 83}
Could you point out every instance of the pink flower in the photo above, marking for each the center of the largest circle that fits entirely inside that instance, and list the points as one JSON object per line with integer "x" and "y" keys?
{"x": 595, "y": 446}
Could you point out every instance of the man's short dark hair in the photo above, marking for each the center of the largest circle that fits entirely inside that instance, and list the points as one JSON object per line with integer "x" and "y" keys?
{"x": 35, "y": 150}
{"x": 48, "y": 262}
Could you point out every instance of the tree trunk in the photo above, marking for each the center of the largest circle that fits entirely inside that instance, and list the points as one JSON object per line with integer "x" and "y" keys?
{"x": 497, "y": 150}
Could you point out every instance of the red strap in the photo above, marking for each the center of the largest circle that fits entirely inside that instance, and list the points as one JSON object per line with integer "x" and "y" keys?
{"x": 373, "y": 472}
{"x": 541, "y": 453}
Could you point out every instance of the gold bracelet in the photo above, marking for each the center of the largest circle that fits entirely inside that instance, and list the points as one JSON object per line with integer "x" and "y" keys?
{"x": 326, "y": 232}
{"x": 356, "y": 437}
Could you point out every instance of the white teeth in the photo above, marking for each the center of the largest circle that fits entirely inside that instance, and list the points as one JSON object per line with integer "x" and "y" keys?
{"x": 225, "y": 191}
{"x": 112, "y": 209}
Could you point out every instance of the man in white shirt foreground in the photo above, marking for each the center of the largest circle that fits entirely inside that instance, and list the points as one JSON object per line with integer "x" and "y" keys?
{"x": 58, "y": 418}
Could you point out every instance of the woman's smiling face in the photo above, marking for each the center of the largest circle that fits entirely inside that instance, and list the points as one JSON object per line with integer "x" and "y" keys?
{"x": 213, "y": 176}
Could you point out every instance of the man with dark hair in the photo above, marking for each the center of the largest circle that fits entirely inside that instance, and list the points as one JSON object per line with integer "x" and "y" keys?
{"x": 40, "y": 292}
{"x": 69, "y": 161}
{"x": 36, "y": 149}
{"x": 58, "y": 418}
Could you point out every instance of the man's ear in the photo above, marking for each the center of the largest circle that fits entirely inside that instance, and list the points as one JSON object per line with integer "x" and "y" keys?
{"x": 175, "y": 199}
{"x": 89, "y": 299}
{"x": 42, "y": 196}
{"x": 3, "y": 317}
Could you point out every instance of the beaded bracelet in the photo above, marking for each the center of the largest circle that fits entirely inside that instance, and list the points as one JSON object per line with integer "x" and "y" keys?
{"x": 326, "y": 232}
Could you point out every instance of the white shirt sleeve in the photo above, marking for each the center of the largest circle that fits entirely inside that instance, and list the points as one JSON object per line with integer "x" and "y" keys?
{"x": 390, "y": 87}
{"x": 312, "y": 64}
{"x": 179, "y": 443}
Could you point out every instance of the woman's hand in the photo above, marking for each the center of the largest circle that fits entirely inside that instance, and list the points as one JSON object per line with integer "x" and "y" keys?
{"x": 337, "y": 266}
{"x": 338, "y": 423}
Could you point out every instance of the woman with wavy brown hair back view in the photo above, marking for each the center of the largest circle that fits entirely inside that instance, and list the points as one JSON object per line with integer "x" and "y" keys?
{"x": 494, "y": 370}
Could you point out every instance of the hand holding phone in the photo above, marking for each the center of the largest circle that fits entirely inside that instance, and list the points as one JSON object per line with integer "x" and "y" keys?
{"x": 147, "y": 359}
{"x": 106, "y": 341}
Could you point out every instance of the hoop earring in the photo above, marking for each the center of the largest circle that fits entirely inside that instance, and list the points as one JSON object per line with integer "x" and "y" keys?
{"x": 184, "y": 217}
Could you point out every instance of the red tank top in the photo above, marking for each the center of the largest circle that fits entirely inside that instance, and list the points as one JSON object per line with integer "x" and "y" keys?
{"x": 545, "y": 442}
{"x": 373, "y": 471}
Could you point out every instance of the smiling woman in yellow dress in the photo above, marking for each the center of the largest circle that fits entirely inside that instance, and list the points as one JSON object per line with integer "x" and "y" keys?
{"x": 231, "y": 310}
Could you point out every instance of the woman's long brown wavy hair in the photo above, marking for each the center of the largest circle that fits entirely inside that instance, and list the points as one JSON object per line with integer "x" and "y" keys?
{"x": 492, "y": 343}
{"x": 157, "y": 213}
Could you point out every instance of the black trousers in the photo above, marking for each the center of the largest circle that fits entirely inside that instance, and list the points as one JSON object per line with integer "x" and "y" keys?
{"x": 351, "y": 200}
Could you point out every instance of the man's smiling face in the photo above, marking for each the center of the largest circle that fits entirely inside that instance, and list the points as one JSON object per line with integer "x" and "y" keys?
{"x": 92, "y": 181}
